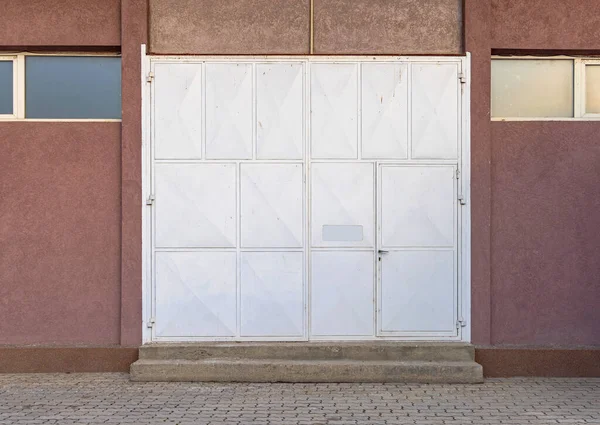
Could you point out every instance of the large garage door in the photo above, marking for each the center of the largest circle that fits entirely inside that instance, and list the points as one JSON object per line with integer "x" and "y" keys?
{"x": 305, "y": 198}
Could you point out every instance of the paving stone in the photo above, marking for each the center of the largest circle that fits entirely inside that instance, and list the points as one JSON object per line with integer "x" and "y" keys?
{"x": 44, "y": 399}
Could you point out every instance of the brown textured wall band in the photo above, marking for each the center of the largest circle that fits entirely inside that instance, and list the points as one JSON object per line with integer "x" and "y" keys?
{"x": 548, "y": 362}
{"x": 407, "y": 27}
{"x": 66, "y": 359}
{"x": 497, "y": 362}
{"x": 284, "y": 27}
{"x": 230, "y": 27}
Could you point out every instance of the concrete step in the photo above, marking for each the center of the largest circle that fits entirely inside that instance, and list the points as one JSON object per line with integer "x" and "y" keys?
{"x": 363, "y": 350}
{"x": 245, "y": 370}
{"x": 372, "y": 361}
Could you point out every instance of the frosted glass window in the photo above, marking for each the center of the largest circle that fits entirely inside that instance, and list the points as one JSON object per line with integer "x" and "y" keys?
{"x": 592, "y": 89}
{"x": 6, "y": 87}
{"x": 66, "y": 87}
{"x": 532, "y": 88}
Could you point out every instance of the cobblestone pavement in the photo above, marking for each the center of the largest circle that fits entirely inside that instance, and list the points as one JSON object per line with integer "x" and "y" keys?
{"x": 112, "y": 399}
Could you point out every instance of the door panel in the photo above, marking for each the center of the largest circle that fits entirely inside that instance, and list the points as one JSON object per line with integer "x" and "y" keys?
{"x": 435, "y": 106}
{"x": 192, "y": 213}
{"x": 417, "y": 206}
{"x": 334, "y": 110}
{"x": 272, "y": 205}
{"x": 178, "y": 116}
{"x": 279, "y": 111}
{"x": 229, "y": 111}
{"x": 195, "y": 294}
{"x": 272, "y": 294}
{"x": 342, "y": 195}
{"x": 384, "y": 111}
{"x": 342, "y": 293}
{"x": 418, "y": 292}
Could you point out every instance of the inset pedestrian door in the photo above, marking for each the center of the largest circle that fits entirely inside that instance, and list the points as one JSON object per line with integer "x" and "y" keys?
{"x": 417, "y": 253}
{"x": 306, "y": 198}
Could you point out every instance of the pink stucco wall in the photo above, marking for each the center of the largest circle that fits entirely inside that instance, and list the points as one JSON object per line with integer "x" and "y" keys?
{"x": 546, "y": 233}
{"x": 545, "y": 216}
{"x": 35, "y": 23}
{"x": 60, "y": 213}
{"x": 70, "y": 232}
{"x": 59, "y": 233}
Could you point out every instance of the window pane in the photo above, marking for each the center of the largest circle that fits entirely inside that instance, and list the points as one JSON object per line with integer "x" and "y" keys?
{"x": 6, "y": 87}
{"x": 532, "y": 88}
{"x": 592, "y": 89}
{"x": 73, "y": 87}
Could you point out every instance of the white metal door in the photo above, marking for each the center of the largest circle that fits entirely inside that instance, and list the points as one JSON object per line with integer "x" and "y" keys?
{"x": 274, "y": 184}
{"x": 417, "y": 253}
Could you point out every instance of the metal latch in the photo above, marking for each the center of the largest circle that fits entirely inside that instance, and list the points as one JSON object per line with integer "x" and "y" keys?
{"x": 381, "y": 253}
{"x": 462, "y": 200}
{"x": 150, "y": 200}
{"x": 462, "y": 78}
{"x": 151, "y": 322}
{"x": 461, "y": 323}
{"x": 150, "y": 77}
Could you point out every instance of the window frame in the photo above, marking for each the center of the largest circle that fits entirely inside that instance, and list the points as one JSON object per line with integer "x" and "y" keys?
{"x": 19, "y": 86}
{"x": 16, "y": 84}
{"x": 579, "y": 89}
{"x": 583, "y": 80}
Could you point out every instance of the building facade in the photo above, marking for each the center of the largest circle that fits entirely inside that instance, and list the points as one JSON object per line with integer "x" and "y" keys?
{"x": 258, "y": 142}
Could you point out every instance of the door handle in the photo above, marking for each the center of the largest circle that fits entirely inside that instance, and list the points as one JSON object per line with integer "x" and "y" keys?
{"x": 381, "y": 253}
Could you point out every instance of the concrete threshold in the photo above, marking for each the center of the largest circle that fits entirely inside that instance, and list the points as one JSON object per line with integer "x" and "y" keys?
{"x": 372, "y": 361}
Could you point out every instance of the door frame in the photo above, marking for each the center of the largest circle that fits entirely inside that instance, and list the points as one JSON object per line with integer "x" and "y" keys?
{"x": 463, "y": 189}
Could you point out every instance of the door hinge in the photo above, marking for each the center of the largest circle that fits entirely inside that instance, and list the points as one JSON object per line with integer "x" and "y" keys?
{"x": 150, "y": 77}
{"x": 462, "y": 78}
{"x": 151, "y": 322}
{"x": 150, "y": 200}
{"x": 461, "y": 323}
{"x": 461, "y": 198}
